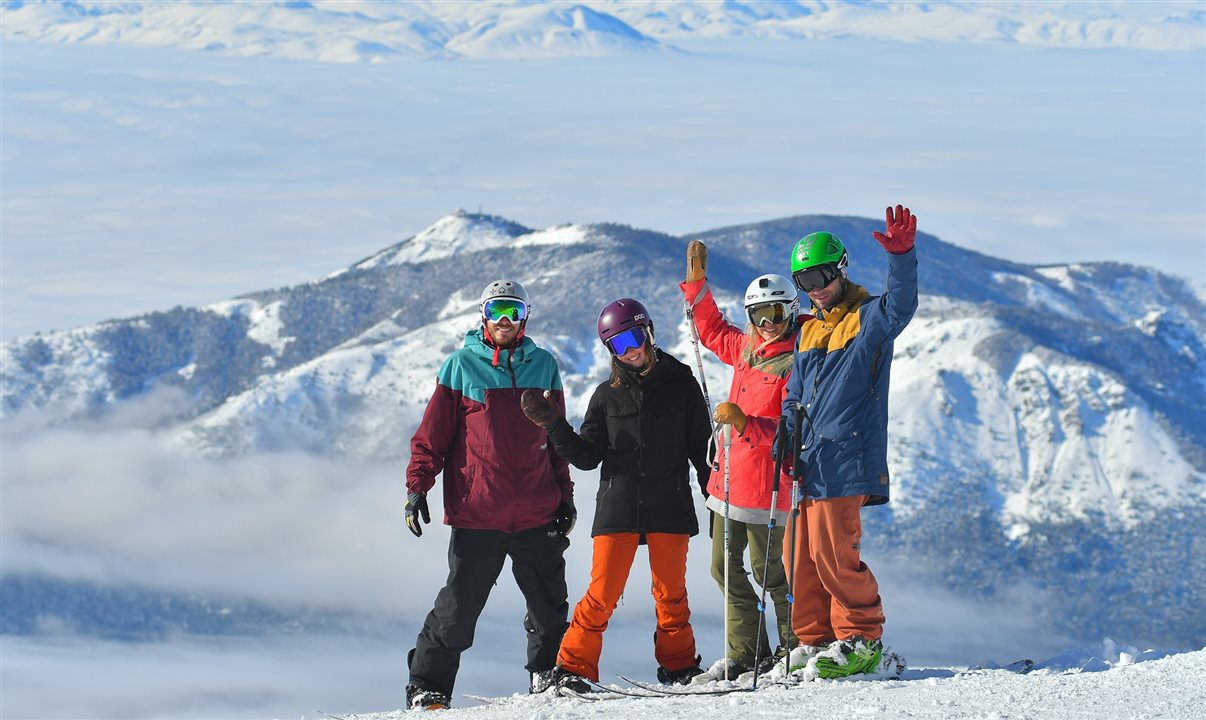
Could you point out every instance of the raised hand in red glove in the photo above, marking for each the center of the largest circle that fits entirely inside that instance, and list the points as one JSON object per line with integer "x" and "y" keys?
{"x": 901, "y": 227}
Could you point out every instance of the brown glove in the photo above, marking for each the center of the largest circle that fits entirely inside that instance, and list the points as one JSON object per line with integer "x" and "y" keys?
{"x": 697, "y": 261}
{"x": 728, "y": 413}
{"x": 537, "y": 407}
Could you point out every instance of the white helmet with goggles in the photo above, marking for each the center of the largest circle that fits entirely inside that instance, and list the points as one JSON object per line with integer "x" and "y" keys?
{"x": 770, "y": 290}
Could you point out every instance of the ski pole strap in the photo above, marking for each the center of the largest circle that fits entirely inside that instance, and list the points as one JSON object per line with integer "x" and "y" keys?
{"x": 703, "y": 290}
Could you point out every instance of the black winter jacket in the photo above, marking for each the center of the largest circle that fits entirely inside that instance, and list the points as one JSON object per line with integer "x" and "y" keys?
{"x": 646, "y": 433}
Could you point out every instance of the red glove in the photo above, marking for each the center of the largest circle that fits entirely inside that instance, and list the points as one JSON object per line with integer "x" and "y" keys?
{"x": 901, "y": 227}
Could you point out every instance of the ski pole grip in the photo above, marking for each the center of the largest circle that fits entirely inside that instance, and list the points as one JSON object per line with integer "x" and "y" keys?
{"x": 781, "y": 439}
{"x": 726, "y": 435}
{"x": 795, "y": 437}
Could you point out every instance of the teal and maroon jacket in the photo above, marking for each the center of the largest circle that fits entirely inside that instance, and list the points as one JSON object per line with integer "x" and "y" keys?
{"x": 500, "y": 472}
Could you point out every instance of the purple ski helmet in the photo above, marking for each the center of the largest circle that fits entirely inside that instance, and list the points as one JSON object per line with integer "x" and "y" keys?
{"x": 620, "y": 315}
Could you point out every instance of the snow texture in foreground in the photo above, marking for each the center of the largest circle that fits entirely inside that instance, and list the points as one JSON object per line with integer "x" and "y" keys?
{"x": 1099, "y": 682}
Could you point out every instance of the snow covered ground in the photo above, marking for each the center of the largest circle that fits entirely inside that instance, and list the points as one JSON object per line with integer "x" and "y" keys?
{"x": 1090, "y": 683}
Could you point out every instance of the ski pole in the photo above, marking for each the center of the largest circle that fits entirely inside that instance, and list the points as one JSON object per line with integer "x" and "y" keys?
{"x": 703, "y": 384}
{"x": 727, "y": 433}
{"x": 780, "y": 454}
{"x": 797, "y": 471}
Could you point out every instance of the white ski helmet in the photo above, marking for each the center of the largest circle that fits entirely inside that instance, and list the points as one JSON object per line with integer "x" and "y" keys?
{"x": 773, "y": 288}
{"x": 504, "y": 289}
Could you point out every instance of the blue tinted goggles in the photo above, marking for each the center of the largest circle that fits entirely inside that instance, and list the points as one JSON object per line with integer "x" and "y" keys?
{"x": 627, "y": 340}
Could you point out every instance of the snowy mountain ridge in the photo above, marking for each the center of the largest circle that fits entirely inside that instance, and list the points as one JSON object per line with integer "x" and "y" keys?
{"x": 365, "y": 31}
{"x": 1044, "y": 419}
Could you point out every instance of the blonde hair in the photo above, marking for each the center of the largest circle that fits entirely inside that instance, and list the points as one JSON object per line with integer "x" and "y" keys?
{"x": 754, "y": 338}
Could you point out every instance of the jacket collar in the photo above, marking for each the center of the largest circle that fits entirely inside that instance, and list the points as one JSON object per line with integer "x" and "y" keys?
{"x": 476, "y": 343}
{"x": 854, "y": 298}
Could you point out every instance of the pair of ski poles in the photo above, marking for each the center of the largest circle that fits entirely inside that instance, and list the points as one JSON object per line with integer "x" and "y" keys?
{"x": 780, "y": 455}
{"x": 781, "y": 450}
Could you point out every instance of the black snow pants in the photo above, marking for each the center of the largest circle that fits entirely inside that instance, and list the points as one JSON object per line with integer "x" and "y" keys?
{"x": 475, "y": 560}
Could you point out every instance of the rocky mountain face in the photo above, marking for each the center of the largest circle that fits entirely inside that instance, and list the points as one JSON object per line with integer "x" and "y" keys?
{"x": 1047, "y": 427}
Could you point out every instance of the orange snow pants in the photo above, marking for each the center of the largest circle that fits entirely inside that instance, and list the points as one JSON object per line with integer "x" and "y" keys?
{"x": 674, "y": 641}
{"x": 835, "y": 595}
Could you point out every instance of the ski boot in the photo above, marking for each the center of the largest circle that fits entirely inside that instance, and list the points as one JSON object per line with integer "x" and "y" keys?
{"x": 541, "y": 681}
{"x": 418, "y": 698}
{"x": 568, "y": 684}
{"x": 679, "y": 677}
{"x": 736, "y": 669}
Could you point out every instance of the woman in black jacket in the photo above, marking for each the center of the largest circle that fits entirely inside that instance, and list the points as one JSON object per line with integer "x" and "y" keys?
{"x": 646, "y": 426}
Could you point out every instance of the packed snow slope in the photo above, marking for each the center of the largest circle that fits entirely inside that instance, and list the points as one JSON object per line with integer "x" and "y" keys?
{"x": 1077, "y": 685}
{"x": 1047, "y": 433}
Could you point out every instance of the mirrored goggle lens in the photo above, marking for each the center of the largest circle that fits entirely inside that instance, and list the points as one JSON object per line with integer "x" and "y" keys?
{"x": 773, "y": 313}
{"x": 513, "y": 310}
{"x": 625, "y": 341}
{"x": 814, "y": 278}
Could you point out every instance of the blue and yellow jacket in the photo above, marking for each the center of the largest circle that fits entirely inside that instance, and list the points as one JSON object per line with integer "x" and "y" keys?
{"x": 840, "y": 377}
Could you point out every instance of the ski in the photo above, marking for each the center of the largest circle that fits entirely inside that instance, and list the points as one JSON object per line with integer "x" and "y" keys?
{"x": 618, "y": 691}
{"x": 605, "y": 693}
{"x": 665, "y": 691}
{"x": 488, "y": 700}
{"x": 1020, "y": 667}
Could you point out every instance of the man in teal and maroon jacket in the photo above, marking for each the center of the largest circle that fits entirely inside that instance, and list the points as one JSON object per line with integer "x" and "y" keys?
{"x": 506, "y": 493}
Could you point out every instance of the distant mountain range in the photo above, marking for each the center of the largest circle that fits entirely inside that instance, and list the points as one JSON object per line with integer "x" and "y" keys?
{"x": 352, "y": 31}
{"x": 1047, "y": 424}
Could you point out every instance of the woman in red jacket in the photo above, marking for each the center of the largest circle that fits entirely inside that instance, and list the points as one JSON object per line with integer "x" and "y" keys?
{"x": 761, "y": 356}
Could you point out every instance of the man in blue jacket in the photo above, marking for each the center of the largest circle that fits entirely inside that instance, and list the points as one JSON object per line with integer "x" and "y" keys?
{"x": 836, "y": 406}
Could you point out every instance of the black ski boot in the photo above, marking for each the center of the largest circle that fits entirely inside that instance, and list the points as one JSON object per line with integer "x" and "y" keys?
{"x": 569, "y": 684}
{"x": 418, "y": 698}
{"x": 679, "y": 677}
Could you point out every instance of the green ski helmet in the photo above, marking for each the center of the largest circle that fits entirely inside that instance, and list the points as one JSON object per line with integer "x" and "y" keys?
{"x": 820, "y": 250}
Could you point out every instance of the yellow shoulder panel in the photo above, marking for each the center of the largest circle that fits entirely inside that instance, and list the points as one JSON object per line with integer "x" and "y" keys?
{"x": 814, "y": 335}
{"x": 846, "y": 330}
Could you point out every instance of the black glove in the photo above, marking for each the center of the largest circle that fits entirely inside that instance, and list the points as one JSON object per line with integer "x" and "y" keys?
{"x": 416, "y": 505}
{"x": 539, "y": 409}
{"x": 703, "y": 479}
{"x": 564, "y": 519}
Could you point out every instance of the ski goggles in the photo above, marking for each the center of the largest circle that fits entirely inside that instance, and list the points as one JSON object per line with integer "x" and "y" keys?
{"x": 815, "y": 278}
{"x": 631, "y": 338}
{"x": 509, "y": 308}
{"x": 771, "y": 312}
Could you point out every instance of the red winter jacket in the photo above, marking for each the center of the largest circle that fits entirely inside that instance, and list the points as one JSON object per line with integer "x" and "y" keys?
{"x": 757, "y": 392}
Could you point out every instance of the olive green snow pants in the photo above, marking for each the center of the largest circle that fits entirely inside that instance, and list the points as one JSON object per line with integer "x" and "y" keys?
{"x": 742, "y": 630}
